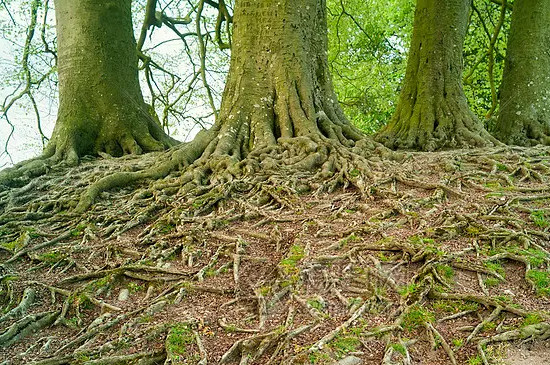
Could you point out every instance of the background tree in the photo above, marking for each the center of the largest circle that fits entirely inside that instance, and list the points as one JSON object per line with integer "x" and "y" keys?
{"x": 101, "y": 107}
{"x": 524, "y": 117}
{"x": 432, "y": 112}
{"x": 171, "y": 68}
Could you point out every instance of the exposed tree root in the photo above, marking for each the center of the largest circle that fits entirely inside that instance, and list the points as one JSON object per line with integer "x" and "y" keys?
{"x": 285, "y": 279}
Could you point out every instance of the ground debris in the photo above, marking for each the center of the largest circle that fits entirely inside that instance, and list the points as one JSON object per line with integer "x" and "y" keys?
{"x": 454, "y": 255}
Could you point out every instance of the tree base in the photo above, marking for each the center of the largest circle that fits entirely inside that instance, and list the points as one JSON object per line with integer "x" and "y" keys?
{"x": 524, "y": 132}
{"x": 449, "y": 128}
{"x": 126, "y": 130}
{"x": 120, "y": 129}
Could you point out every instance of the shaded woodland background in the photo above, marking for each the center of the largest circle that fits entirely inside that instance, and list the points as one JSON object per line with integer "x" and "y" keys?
{"x": 368, "y": 45}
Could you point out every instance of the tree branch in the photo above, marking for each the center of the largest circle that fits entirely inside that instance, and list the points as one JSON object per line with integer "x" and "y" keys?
{"x": 501, "y": 2}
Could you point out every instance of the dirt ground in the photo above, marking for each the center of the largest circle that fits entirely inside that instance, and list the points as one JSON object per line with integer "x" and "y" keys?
{"x": 538, "y": 354}
{"x": 441, "y": 259}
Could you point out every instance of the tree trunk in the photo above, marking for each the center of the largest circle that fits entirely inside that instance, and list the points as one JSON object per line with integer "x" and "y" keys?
{"x": 278, "y": 87}
{"x": 101, "y": 108}
{"x": 279, "y": 114}
{"x": 432, "y": 111}
{"x": 524, "y": 117}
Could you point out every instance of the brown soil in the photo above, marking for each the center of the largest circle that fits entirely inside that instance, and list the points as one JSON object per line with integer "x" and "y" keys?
{"x": 538, "y": 354}
{"x": 429, "y": 225}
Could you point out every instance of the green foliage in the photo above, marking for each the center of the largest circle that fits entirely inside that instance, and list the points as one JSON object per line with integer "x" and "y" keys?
{"x": 51, "y": 257}
{"x": 416, "y": 317}
{"x": 368, "y": 45}
{"x": 406, "y": 290}
{"x": 429, "y": 247}
{"x": 135, "y": 287}
{"x": 99, "y": 283}
{"x": 230, "y": 328}
{"x": 504, "y": 299}
{"x": 491, "y": 282}
{"x": 18, "y": 243}
{"x": 289, "y": 265}
{"x": 145, "y": 318}
{"x": 476, "y": 63}
{"x": 265, "y": 290}
{"x": 82, "y": 357}
{"x": 540, "y": 218}
{"x": 79, "y": 230}
{"x": 541, "y": 280}
{"x": 475, "y": 360}
{"x": 458, "y": 342}
{"x": 316, "y": 304}
{"x": 164, "y": 228}
{"x": 83, "y": 301}
{"x": 72, "y": 322}
{"x": 445, "y": 270}
{"x": 535, "y": 256}
{"x": 354, "y": 301}
{"x": 351, "y": 238}
{"x": 532, "y": 318}
{"x": 489, "y": 326}
{"x": 422, "y": 241}
{"x": 382, "y": 257}
{"x": 453, "y": 306}
{"x": 496, "y": 267}
{"x": 399, "y": 348}
{"x": 318, "y": 357}
{"x": 178, "y": 339}
{"x": 344, "y": 344}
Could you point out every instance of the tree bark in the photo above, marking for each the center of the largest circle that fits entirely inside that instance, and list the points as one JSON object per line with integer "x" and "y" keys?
{"x": 278, "y": 87}
{"x": 432, "y": 111}
{"x": 279, "y": 114}
{"x": 101, "y": 107}
{"x": 524, "y": 117}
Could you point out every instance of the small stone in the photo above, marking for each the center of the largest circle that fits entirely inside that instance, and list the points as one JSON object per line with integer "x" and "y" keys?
{"x": 155, "y": 308}
{"x": 350, "y": 360}
{"x": 123, "y": 295}
{"x": 509, "y": 292}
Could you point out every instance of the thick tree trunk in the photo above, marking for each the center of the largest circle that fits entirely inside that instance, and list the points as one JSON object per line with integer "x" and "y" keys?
{"x": 279, "y": 85}
{"x": 524, "y": 117}
{"x": 279, "y": 114}
{"x": 101, "y": 106}
{"x": 432, "y": 112}
{"x": 278, "y": 95}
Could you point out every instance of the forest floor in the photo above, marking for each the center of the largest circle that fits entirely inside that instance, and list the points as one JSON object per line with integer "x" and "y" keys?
{"x": 443, "y": 259}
